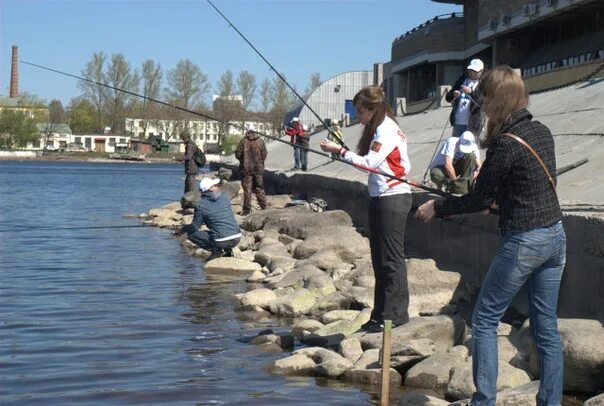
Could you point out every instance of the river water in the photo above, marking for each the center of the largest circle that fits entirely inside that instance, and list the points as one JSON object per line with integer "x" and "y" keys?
{"x": 96, "y": 309}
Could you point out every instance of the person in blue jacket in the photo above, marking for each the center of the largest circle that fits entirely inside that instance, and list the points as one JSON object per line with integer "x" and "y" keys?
{"x": 214, "y": 210}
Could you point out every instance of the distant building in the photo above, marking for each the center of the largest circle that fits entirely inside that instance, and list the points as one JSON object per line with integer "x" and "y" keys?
{"x": 540, "y": 37}
{"x": 332, "y": 99}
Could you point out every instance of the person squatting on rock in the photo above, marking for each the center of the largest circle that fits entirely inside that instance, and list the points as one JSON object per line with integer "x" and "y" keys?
{"x": 533, "y": 247}
{"x": 251, "y": 153}
{"x": 466, "y": 113}
{"x": 298, "y": 137}
{"x": 383, "y": 146}
{"x": 213, "y": 210}
{"x": 190, "y": 165}
{"x": 457, "y": 164}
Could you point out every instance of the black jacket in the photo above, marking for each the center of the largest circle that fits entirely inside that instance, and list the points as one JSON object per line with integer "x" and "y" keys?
{"x": 190, "y": 165}
{"x": 513, "y": 177}
{"x": 476, "y": 120}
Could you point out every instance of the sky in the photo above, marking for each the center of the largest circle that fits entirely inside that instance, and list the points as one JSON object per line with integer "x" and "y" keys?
{"x": 298, "y": 37}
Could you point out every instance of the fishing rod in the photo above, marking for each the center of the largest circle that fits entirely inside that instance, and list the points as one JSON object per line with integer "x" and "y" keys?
{"x": 329, "y": 129}
{"x": 328, "y": 155}
{"x": 23, "y": 228}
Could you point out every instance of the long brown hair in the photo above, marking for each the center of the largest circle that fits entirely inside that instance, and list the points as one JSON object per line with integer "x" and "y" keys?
{"x": 504, "y": 93}
{"x": 371, "y": 98}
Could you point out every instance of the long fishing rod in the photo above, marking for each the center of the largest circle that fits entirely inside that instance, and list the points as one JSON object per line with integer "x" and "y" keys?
{"x": 358, "y": 166}
{"x": 329, "y": 129}
{"x": 23, "y": 228}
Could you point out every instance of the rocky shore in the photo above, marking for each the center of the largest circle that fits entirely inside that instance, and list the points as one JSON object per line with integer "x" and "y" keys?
{"x": 313, "y": 269}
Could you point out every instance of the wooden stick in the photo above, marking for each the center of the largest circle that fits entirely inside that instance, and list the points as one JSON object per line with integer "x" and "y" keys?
{"x": 385, "y": 381}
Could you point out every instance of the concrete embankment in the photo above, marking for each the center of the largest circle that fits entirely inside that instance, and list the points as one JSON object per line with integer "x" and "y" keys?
{"x": 468, "y": 243}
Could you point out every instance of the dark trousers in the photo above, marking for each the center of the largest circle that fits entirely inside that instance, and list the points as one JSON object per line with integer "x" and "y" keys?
{"x": 202, "y": 239}
{"x": 387, "y": 222}
{"x": 253, "y": 181}
{"x": 189, "y": 183}
{"x": 303, "y": 158}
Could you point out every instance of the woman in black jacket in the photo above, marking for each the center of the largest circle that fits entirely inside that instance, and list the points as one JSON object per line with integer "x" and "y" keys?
{"x": 533, "y": 248}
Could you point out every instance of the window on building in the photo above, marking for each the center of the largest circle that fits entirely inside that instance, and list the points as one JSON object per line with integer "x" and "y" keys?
{"x": 88, "y": 142}
{"x": 141, "y": 134}
{"x": 141, "y": 123}
{"x": 122, "y": 140}
{"x": 111, "y": 140}
{"x": 77, "y": 140}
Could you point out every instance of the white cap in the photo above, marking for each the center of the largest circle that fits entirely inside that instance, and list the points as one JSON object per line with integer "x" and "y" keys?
{"x": 295, "y": 119}
{"x": 207, "y": 183}
{"x": 305, "y": 127}
{"x": 467, "y": 143}
{"x": 476, "y": 65}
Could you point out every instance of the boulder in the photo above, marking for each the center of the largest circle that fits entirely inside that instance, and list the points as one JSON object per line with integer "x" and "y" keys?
{"x": 294, "y": 304}
{"x": 595, "y": 401}
{"x": 350, "y": 349}
{"x": 336, "y": 315}
{"x": 434, "y": 371}
{"x": 444, "y": 331}
{"x": 430, "y": 289}
{"x": 297, "y": 364}
{"x": 230, "y": 266}
{"x": 420, "y": 399}
{"x": 259, "y": 297}
{"x": 309, "y": 325}
{"x": 345, "y": 241}
{"x": 520, "y": 396}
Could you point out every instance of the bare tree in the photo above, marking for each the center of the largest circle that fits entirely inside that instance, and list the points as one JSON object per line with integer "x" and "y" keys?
{"x": 151, "y": 76}
{"x": 265, "y": 94}
{"x": 282, "y": 100}
{"x": 226, "y": 86}
{"x": 313, "y": 83}
{"x": 246, "y": 86}
{"x": 187, "y": 86}
{"x": 94, "y": 93}
{"x": 121, "y": 76}
{"x": 56, "y": 115}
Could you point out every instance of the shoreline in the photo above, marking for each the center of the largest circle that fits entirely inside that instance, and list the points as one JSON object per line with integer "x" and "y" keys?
{"x": 90, "y": 159}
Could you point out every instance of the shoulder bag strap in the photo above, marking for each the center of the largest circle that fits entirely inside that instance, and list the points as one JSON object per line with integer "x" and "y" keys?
{"x": 523, "y": 142}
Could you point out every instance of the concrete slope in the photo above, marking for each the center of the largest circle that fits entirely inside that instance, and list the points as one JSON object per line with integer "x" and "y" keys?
{"x": 574, "y": 110}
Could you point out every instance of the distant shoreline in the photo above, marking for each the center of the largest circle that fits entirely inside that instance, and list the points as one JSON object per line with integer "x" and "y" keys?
{"x": 90, "y": 159}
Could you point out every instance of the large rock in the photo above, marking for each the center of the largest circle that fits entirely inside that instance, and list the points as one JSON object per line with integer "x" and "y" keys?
{"x": 259, "y": 297}
{"x": 336, "y": 315}
{"x": 430, "y": 289}
{"x": 230, "y": 266}
{"x": 297, "y": 364}
{"x": 294, "y": 304}
{"x": 434, "y": 372}
{"x": 444, "y": 331}
{"x": 295, "y": 221}
{"x": 583, "y": 354}
{"x": 462, "y": 386}
{"x": 345, "y": 241}
{"x": 367, "y": 371}
{"x": 308, "y": 325}
{"x": 350, "y": 349}
{"x": 595, "y": 401}
{"x": 420, "y": 399}
{"x": 520, "y": 396}
{"x": 332, "y": 334}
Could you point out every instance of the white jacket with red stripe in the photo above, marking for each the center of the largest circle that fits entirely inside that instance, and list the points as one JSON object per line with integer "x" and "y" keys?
{"x": 388, "y": 154}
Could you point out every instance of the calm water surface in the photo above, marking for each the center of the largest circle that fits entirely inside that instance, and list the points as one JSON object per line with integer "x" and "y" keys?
{"x": 95, "y": 309}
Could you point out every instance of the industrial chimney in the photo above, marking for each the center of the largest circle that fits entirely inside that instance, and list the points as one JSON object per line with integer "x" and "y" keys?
{"x": 14, "y": 75}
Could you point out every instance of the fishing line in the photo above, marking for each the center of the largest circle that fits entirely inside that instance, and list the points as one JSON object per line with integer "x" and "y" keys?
{"x": 328, "y": 128}
{"x": 24, "y": 228}
{"x": 242, "y": 127}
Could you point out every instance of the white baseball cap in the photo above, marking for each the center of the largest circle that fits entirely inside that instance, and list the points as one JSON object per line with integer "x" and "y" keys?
{"x": 295, "y": 119}
{"x": 467, "y": 144}
{"x": 476, "y": 65}
{"x": 207, "y": 183}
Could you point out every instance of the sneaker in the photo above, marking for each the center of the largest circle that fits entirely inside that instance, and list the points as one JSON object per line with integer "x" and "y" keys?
{"x": 216, "y": 254}
{"x": 373, "y": 326}
{"x": 228, "y": 253}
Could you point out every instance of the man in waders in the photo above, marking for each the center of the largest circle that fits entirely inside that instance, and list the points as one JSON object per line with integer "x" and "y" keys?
{"x": 251, "y": 153}
{"x": 189, "y": 161}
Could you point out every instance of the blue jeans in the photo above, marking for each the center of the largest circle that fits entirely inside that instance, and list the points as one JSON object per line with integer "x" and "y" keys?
{"x": 537, "y": 256}
{"x": 297, "y": 163}
{"x": 203, "y": 240}
{"x": 458, "y": 129}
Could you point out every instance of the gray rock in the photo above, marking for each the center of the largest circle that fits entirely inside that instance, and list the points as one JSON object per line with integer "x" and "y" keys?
{"x": 284, "y": 341}
{"x": 420, "y": 399}
{"x": 229, "y": 266}
{"x": 307, "y": 223}
{"x": 423, "y": 346}
{"x": 294, "y": 304}
{"x": 278, "y": 201}
{"x": 430, "y": 289}
{"x": 350, "y": 349}
{"x": 350, "y": 247}
{"x": 333, "y": 301}
{"x": 309, "y": 325}
{"x": 461, "y": 386}
{"x": 595, "y": 401}
{"x": 257, "y": 276}
{"x": 583, "y": 354}
{"x": 259, "y": 297}
{"x": 318, "y": 354}
{"x": 333, "y": 368}
{"x": 320, "y": 284}
{"x": 297, "y": 364}
{"x": 336, "y": 315}
{"x": 444, "y": 331}
{"x": 434, "y": 371}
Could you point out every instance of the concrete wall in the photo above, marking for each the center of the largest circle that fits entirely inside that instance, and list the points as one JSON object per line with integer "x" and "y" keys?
{"x": 468, "y": 243}
{"x": 562, "y": 76}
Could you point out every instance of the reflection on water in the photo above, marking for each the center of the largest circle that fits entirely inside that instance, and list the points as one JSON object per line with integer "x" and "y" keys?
{"x": 95, "y": 312}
